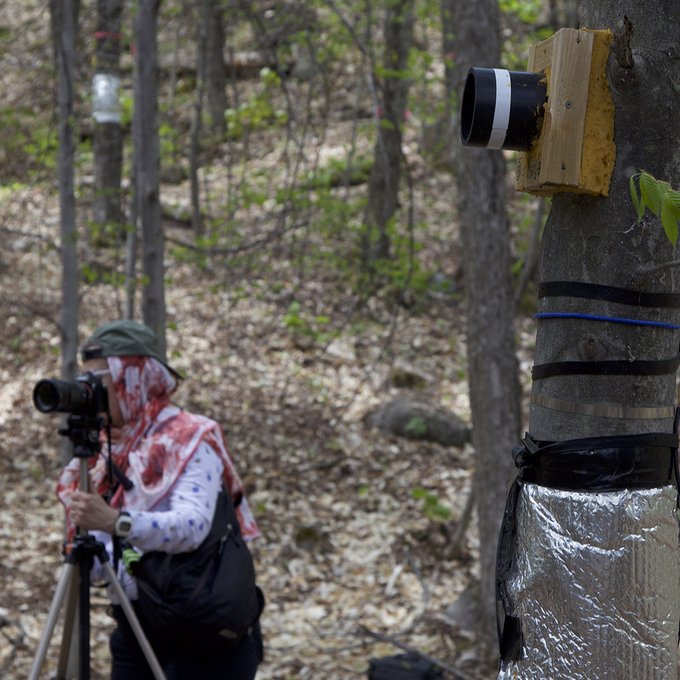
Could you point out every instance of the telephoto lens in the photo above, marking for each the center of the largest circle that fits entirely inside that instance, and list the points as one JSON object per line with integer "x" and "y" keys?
{"x": 51, "y": 395}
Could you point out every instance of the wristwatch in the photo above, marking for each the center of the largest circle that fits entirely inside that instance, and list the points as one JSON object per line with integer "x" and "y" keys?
{"x": 123, "y": 525}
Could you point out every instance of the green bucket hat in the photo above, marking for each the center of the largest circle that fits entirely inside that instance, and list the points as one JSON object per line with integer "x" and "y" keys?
{"x": 124, "y": 339}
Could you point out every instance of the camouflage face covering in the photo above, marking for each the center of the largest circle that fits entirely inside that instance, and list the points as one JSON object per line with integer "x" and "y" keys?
{"x": 155, "y": 443}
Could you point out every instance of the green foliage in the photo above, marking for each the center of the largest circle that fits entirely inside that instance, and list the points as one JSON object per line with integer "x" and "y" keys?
{"x": 109, "y": 233}
{"x": 340, "y": 171}
{"x": 42, "y": 145}
{"x": 424, "y": 74}
{"x": 259, "y": 111}
{"x": 127, "y": 106}
{"x": 402, "y": 272}
{"x": 85, "y": 153}
{"x": 333, "y": 46}
{"x": 29, "y": 142}
{"x": 307, "y": 327}
{"x": 432, "y": 507}
{"x": 659, "y": 198}
{"x": 92, "y": 275}
{"x": 428, "y": 12}
{"x": 168, "y": 137}
{"x": 523, "y": 15}
{"x": 527, "y": 11}
{"x": 416, "y": 427}
{"x": 198, "y": 256}
{"x": 9, "y": 189}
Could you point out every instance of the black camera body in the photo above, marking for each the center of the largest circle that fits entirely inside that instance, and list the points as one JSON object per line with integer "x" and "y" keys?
{"x": 86, "y": 395}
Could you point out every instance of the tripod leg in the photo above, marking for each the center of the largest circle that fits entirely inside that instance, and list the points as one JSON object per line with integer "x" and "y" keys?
{"x": 69, "y": 643}
{"x": 66, "y": 578}
{"x": 84, "y": 621}
{"x": 134, "y": 623}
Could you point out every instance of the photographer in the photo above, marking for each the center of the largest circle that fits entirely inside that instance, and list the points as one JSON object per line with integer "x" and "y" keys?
{"x": 177, "y": 463}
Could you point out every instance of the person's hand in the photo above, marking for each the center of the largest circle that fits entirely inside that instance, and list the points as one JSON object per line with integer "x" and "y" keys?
{"x": 91, "y": 511}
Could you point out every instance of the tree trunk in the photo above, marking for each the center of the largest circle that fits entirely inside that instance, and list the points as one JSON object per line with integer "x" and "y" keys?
{"x": 108, "y": 142}
{"x": 612, "y": 610}
{"x": 131, "y": 254}
{"x": 472, "y": 31}
{"x": 203, "y": 57}
{"x": 64, "y": 23}
{"x": 212, "y": 43}
{"x": 383, "y": 188}
{"x": 147, "y": 161}
{"x": 197, "y": 224}
{"x": 605, "y": 245}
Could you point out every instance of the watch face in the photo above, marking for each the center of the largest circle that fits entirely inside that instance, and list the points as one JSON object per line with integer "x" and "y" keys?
{"x": 123, "y": 525}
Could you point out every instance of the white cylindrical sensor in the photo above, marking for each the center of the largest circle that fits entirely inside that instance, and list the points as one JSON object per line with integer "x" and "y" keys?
{"x": 105, "y": 102}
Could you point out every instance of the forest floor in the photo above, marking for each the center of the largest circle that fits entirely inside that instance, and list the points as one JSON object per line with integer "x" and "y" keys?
{"x": 352, "y": 560}
{"x": 347, "y": 547}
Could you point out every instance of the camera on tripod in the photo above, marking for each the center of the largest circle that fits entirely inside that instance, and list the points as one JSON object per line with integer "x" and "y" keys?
{"x": 86, "y": 395}
{"x": 86, "y": 400}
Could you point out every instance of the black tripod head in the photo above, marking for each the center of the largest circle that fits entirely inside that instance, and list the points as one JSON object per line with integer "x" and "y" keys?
{"x": 83, "y": 431}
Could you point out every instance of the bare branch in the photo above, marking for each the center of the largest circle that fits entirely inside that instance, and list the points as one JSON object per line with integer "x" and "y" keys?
{"x": 644, "y": 274}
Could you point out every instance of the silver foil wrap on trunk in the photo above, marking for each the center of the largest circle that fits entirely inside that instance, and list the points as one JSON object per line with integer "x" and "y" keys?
{"x": 596, "y": 584}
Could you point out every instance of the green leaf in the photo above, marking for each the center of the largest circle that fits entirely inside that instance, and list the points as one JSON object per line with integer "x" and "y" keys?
{"x": 672, "y": 198}
{"x": 418, "y": 493}
{"x": 669, "y": 221}
{"x": 651, "y": 192}
{"x": 364, "y": 490}
{"x": 637, "y": 203}
{"x": 439, "y": 511}
{"x": 416, "y": 427}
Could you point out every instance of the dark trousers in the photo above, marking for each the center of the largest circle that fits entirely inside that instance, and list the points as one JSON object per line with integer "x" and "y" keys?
{"x": 182, "y": 662}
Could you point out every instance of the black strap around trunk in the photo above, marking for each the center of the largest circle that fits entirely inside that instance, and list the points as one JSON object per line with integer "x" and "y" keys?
{"x": 620, "y": 367}
{"x": 596, "y": 291}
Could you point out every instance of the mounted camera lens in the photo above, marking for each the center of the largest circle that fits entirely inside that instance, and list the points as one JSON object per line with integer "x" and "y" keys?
{"x": 65, "y": 397}
{"x": 85, "y": 395}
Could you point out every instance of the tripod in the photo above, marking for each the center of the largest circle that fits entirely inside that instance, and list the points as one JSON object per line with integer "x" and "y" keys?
{"x": 73, "y": 586}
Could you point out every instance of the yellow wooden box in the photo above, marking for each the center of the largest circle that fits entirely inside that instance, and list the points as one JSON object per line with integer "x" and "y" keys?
{"x": 575, "y": 149}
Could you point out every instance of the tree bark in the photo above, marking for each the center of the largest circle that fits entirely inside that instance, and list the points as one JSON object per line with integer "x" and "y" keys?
{"x": 212, "y": 43}
{"x": 64, "y": 23}
{"x": 596, "y": 240}
{"x": 203, "y": 70}
{"x": 383, "y": 188}
{"x": 108, "y": 141}
{"x": 471, "y": 30}
{"x": 147, "y": 161}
